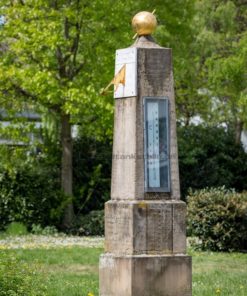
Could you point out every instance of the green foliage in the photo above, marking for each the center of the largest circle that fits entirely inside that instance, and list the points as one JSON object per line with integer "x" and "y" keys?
{"x": 90, "y": 224}
{"x": 48, "y": 230}
{"x": 29, "y": 184}
{"x": 180, "y": 32}
{"x": 74, "y": 271}
{"x": 218, "y": 273}
{"x": 208, "y": 157}
{"x": 50, "y": 62}
{"x": 222, "y": 36}
{"x": 218, "y": 217}
{"x": 92, "y": 173}
{"x": 70, "y": 271}
{"x": 18, "y": 278}
{"x": 16, "y": 228}
{"x": 31, "y": 195}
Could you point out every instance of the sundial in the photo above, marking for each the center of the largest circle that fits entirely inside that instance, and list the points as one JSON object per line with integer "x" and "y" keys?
{"x": 125, "y": 80}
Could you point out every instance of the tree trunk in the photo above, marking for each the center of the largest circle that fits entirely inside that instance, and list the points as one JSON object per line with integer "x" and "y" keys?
{"x": 67, "y": 174}
{"x": 187, "y": 120}
{"x": 238, "y": 131}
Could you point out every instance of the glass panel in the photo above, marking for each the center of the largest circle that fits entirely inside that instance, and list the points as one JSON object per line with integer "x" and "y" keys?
{"x": 153, "y": 144}
{"x": 156, "y": 145}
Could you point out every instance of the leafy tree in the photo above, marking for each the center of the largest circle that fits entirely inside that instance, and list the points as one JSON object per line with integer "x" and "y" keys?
{"x": 223, "y": 40}
{"x": 208, "y": 39}
{"x": 56, "y": 55}
{"x": 178, "y": 30}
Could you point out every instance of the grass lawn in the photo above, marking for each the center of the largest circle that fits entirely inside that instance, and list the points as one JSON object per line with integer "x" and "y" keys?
{"x": 66, "y": 271}
{"x": 219, "y": 274}
{"x": 73, "y": 271}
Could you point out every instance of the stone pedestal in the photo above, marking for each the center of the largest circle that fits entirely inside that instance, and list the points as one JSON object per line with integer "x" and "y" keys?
{"x": 145, "y": 227}
{"x": 145, "y": 232}
{"x": 145, "y": 275}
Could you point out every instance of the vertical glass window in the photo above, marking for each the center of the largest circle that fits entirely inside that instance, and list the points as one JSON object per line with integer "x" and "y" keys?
{"x": 156, "y": 136}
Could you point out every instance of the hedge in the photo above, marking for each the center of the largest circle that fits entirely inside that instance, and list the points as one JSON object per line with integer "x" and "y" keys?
{"x": 218, "y": 217}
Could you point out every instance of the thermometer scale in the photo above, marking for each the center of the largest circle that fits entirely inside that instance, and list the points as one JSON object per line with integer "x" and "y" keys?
{"x": 157, "y": 177}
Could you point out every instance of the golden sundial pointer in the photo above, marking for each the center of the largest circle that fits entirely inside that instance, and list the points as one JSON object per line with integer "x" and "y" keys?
{"x": 119, "y": 78}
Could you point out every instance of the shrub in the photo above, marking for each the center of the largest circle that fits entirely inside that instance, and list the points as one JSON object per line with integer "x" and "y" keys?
{"x": 16, "y": 228}
{"x": 91, "y": 173}
{"x": 39, "y": 230}
{"x": 208, "y": 157}
{"x": 30, "y": 195}
{"x": 218, "y": 217}
{"x": 19, "y": 279}
{"x": 90, "y": 224}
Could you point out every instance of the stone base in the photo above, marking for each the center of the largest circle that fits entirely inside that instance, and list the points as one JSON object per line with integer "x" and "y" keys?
{"x": 145, "y": 227}
{"x": 145, "y": 275}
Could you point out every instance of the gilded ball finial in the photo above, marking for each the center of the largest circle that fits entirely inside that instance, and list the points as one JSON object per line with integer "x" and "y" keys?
{"x": 144, "y": 23}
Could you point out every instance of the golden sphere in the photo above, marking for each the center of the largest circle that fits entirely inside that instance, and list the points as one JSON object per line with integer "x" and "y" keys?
{"x": 144, "y": 23}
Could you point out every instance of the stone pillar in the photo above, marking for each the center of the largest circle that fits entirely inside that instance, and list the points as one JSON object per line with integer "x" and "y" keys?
{"x": 145, "y": 232}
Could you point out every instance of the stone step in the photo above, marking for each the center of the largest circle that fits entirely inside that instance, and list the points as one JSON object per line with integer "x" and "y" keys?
{"x": 145, "y": 275}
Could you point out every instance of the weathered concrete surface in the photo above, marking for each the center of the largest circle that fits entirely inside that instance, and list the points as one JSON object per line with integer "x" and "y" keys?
{"x": 145, "y": 275}
{"x": 154, "y": 78}
{"x": 115, "y": 276}
{"x": 145, "y": 227}
{"x": 124, "y": 150}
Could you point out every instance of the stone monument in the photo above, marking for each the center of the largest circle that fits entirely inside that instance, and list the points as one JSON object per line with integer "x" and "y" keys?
{"x": 145, "y": 231}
